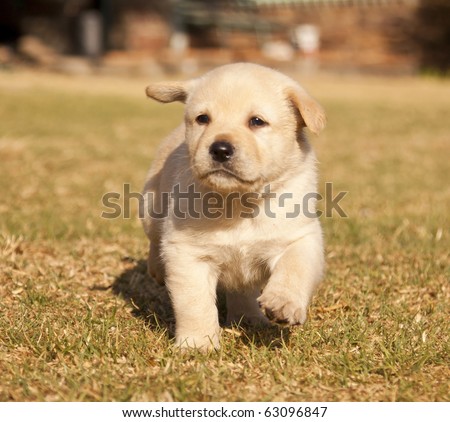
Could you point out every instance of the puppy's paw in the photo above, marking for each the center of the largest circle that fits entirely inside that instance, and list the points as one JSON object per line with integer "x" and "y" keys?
{"x": 203, "y": 344}
{"x": 282, "y": 306}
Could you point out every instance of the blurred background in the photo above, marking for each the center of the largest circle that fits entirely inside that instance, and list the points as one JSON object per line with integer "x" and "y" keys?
{"x": 152, "y": 37}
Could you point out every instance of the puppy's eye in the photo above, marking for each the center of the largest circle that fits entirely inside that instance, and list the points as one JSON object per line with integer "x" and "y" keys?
{"x": 257, "y": 122}
{"x": 202, "y": 119}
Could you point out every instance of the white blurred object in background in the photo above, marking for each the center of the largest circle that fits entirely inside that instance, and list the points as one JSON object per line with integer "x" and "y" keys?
{"x": 307, "y": 38}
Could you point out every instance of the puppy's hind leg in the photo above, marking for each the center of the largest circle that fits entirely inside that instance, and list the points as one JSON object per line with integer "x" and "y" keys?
{"x": 155, "y": 265}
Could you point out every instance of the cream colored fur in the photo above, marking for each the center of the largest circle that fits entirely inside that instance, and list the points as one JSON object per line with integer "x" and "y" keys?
{"x": 269, "y": 266}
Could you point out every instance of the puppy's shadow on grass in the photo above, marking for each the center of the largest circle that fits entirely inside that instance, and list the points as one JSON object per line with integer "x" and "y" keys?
{"x": 150, "y": 302}
{"x": 269, "y": 337}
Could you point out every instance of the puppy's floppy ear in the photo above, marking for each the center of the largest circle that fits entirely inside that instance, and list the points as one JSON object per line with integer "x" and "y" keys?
{"x": 168, "y": 92}
{"x": 311, "y": 111}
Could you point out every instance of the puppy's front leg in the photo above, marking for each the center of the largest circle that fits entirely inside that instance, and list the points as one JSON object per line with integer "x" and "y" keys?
{"x": 286, "y": 297}
{"x": 192, "y": 287}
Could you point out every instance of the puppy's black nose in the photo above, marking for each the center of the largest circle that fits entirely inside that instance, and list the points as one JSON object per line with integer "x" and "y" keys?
{"x": 221, "y": 151}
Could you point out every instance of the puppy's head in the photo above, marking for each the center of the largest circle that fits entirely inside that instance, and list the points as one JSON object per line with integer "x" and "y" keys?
{"x": 243, "y": 124}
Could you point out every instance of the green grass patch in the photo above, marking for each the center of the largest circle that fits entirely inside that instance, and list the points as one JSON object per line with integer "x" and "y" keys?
{"x": 80, "y": 320}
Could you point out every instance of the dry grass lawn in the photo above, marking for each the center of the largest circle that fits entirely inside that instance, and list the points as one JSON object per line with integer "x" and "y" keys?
{"x": 79, "y": 319}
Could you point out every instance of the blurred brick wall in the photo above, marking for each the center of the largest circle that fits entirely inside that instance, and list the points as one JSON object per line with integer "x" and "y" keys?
{"x": 351, "y": 36}
{"x": 358, "y": 35}
{"x": 401, "y": 35}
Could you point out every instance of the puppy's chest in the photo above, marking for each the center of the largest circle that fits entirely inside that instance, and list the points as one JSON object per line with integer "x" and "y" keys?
{"x": 242, "y": 253}
{"x": 243, "y": 258}
{"x": 242, "y": 265}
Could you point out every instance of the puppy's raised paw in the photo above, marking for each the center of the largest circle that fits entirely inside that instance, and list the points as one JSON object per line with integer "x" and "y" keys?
{"x": 282, "y": 308}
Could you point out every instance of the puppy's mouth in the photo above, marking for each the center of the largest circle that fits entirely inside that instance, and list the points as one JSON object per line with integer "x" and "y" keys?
{"x": 227, "y": 175}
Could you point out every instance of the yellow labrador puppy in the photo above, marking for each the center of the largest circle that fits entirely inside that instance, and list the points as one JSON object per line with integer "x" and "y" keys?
{"x": 230, "y": 201}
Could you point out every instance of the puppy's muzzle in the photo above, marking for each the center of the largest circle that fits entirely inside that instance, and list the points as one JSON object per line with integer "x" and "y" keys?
{"x": 221, "y": 151}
